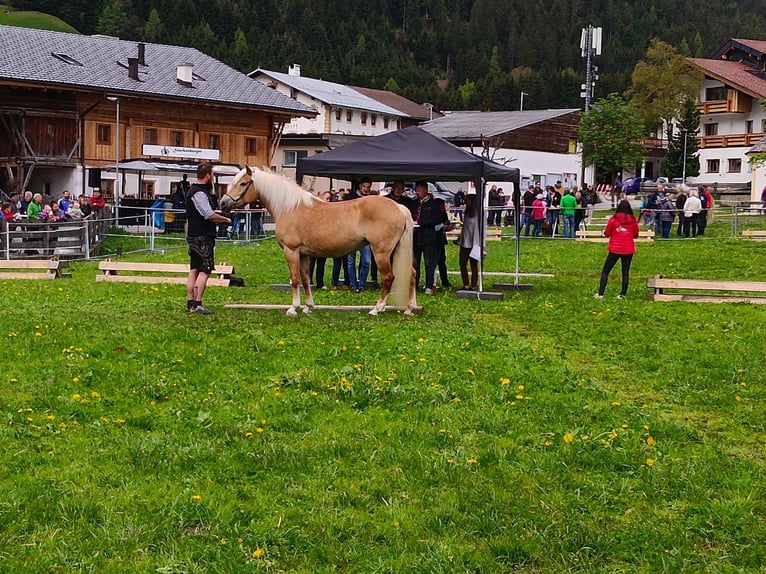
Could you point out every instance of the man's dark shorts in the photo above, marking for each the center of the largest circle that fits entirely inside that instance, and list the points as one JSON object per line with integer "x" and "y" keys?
{"x": 201, "y": 253}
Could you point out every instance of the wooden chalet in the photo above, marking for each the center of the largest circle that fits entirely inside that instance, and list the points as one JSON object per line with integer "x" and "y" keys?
{"x": 71, "y": 105}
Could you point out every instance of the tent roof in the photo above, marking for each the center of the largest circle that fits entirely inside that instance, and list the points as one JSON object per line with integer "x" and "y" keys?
{"x": 408, "y": 153}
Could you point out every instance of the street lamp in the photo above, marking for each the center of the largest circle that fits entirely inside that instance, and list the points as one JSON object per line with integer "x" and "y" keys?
{"x": 683, "y": 175}
{"x": 521, "y": 105}
{"x": 117, "y": 162}
{"x": 430, "y": 108}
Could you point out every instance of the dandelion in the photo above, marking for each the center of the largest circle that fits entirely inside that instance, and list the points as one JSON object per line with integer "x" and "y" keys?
{"x": 568, "y": 437}
{"x": 650, "y": 441}
{"x": 38, "y": 334}
{"x": 457, "y": 400}
{"x": 224, "y": 542}
{"x": 51, "y": 417}
{"x": 75, "y": 379}
{"x": 585, "y": 437}
{"x": 450, "y": 461}
{"x": 738, "y": 398}
{"x": 263, "y": 422}
{"x": 616, "y": 404}
{"x": 14, "y": 380}
{"x": 505, "y": 381}
{"x": 281, "y": 342}
{"x": 196, "y": 498}
{"x": 649, "y": 462}
{"x": 259, "y": 553}
{"x": 248, "y": 435}
{"x": 646, "y": 427}
{"x": 76, "y": 397}
{"x": 259, "y": 430}
{"x": 422, "y": 359}
{"x": 624, "y": 426}
{"x": 472, "y": 461}
{"x": 313, "y": 393}
{"x": 520, "y": 387}
{"x": 95, "y": 395}
{"x": 470, "y": 372}
{"x": 547, "y": 443}
{"x": 519, "y": 397}
{"x": 421, "y": 340}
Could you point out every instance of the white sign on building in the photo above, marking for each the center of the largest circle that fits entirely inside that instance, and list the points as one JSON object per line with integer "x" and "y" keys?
{"x": 185, "y": 152}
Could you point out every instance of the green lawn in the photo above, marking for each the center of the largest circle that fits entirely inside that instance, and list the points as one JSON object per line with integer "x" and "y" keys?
{"x": 37, "y": 20}
{"x": 547, "y": 432}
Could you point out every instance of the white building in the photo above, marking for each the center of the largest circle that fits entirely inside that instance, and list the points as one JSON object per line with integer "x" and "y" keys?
{"x": 732, "y": 118}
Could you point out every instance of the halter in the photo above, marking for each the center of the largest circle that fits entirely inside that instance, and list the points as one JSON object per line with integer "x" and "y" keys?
{"x": 236, "y": 198}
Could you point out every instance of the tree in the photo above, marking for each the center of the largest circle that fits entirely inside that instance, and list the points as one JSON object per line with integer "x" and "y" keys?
{"x": 682, "y": 158}
{"x": 611, "y": 134}
{"x": 661, "y": 84}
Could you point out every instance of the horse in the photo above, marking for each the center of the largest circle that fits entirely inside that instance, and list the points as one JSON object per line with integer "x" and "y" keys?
{"x": 307, "y": 226}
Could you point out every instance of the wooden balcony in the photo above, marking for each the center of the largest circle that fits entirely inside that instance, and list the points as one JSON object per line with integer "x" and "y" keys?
{"x": 736, "y": 102}
{"x": 731, "y": 140}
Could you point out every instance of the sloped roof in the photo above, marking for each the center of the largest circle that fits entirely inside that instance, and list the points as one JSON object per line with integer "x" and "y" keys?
{"x": 100, "y": 63}
{"x": 475, "y": 125}
{"x": 760, "y": 147}
{"x": 407, "y": 107}
{"x": 735, "y": 74}
{"x": 328, "y": 92}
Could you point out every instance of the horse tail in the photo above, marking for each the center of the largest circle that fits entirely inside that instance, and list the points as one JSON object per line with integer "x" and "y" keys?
{"x": 402, "y": 265}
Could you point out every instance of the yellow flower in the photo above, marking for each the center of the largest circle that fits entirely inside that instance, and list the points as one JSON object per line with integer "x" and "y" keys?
{"x": 505, "y": 381}
{"x": 568, "y": 437}
{"x": 14, "y": 380}
{"x": 421, "y": 340}
{"x": 280, "y": 342}
{"x": 585, "y": 437}
{"x": 95, "y": 394}
{"x": 259, "y": 430}
{"x": 470, "y": 372}
{"x": 520, "y": 387}
{"x": 649, "y": 462}
{"x": 75, "y": 379}
{"x": 259, "y": 553}
{"x": 248, "y": 435}
{"x": 223, "y": 542}
{"x": 616, "y": 404}
{"x": 196, "y": 498}
{"x": 472, "y": 461}
{"x": 650, "y": 441}
{"x": 76, "y": 397}
{"x": 519, "y": 397}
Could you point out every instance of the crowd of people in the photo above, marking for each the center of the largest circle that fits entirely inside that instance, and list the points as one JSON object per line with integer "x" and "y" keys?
{"x": 33, "y": 207}
{"x": 691, "y": 206}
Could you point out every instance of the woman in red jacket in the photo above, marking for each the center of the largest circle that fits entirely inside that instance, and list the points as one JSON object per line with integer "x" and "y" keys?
{"x": 621, "y": 229}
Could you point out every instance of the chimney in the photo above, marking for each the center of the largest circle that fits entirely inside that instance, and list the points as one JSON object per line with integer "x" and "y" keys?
{"x": 184, "y": 74}
{"x": 294, "y": 70}
{"x": 142, "y": 53}
{"x": 133, "y": 68}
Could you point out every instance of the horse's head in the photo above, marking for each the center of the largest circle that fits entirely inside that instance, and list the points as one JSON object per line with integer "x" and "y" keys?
{"x": 240, "y": 191}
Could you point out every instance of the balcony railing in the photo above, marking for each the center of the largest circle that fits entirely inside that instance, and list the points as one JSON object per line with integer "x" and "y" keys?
{"x": 735, "y": 105}
{"x": 731, "y": 140}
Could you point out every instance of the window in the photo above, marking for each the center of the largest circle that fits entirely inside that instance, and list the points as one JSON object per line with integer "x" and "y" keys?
{"x": 292, "y": 157}
{"x": 349, "y": 115}
{"x": 385, "y": 123}
{"x": 749, "y": 126}
{"x": 177, "y": 139}
{"x": 213, "y": 141}
{"x": 104, "y": 134}
{"x": 251, "y": 146}
{"x": 364, "y": 118}
{"x": 337, "y": 114}
{"x": 373, "y": 119}
{"x": 763, "y": 126}
{"x": 713, "y": 165}
{"x": 735, "y": 165}
{"x": 717, "y": 93}
{"x": 150, "y": 136}
{"x": 711, "y": 129}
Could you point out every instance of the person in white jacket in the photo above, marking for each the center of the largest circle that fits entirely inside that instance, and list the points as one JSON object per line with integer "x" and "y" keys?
{"x": 692, "y": 208}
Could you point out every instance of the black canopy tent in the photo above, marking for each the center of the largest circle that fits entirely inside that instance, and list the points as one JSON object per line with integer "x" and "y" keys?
{"x": 407, "y": 154}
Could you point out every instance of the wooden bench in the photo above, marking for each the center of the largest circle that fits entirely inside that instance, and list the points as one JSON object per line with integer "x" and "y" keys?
{"x": 32, "y": 269}
{"x": 754, "y": 234}
{"x": 132, "y": 272}
{"x": 597, "y": 235}
{"x": 706, "y": 291}
{"x": 492, "y": 233}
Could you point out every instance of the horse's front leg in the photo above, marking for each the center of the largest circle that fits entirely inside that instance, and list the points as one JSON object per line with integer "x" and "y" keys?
{"x": 292, "y": 257}
{"x": 306, "y": 281}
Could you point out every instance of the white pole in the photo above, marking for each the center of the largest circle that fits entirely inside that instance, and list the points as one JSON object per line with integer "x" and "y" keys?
{"x": 117, "y": 163}
{"x": 683, "y": 177}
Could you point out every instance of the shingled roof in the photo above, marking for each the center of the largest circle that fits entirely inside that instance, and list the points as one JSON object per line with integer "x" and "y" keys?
{"x": 735, "y": 74}
{"x": 475, "y": 125}
{"x": 98, "y": 63}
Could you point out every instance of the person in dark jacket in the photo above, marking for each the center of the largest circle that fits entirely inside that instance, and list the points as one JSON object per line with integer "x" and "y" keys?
{"x": 201, "y": 223}
{"x": 622, "y": 230}
{"x": 431, "y": 217}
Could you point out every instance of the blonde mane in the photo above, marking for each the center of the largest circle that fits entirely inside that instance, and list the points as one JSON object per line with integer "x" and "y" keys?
{"x": 279, "y": 194}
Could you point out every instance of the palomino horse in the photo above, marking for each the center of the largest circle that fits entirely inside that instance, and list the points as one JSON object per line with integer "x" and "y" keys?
{"x": 307, "y": 226}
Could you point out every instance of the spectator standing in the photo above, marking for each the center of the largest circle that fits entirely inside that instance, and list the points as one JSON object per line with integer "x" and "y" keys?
{"x": 15, "y": 201}
{"x": 622, "y": 230}
{"x": 568, "y": 207}
{"x": 317, "y": 264}
{"x": 97, "y": 202}
{"x": 432, "y": 219}
{"x": 692, "y": 209}
{"x": 552, "y": 215}
{"x": 25, "y": 201}
{"x": 200, "y": 236}
{"x": 358, "y": 283}
{"x": 493, "y": 203}
{"x": 528, "y": 199}
{"x": 666, "y": 216}
{"x": 538, "y": 215}
{"x": 680, "y": 202}
{"x": 35, "y": 208}
{"x": 471, "y": 245}
{"x": 84, "y": 206}
{"x": 706, "y": 199}
{"x": 582, "y": 208}
{"x": 65, "y": 202}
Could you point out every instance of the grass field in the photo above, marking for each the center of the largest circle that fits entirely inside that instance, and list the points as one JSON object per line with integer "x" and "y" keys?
{"x": 37, "y": 20}
{"x": 547, "y": 432}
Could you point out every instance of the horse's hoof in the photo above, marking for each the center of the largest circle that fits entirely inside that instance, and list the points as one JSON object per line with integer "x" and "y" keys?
{"x": 374, "y": 311}
{"x": 306, "y": 310}
{"x": 409, "y": 312}
{"x": 291, "y": 312}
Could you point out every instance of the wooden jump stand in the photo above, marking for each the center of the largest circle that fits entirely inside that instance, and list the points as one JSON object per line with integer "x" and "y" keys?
{"x": 707, "y": 291}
